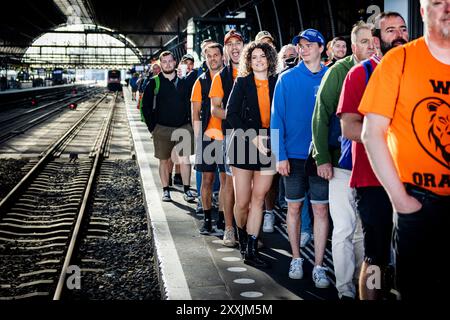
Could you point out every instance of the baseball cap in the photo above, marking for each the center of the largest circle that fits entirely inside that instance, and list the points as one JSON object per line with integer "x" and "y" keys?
{"x": 263, "y": 34}
{"x": 312, "y": 35}
{"x": 232, "y": 33}
{"x": 188, "y": 57}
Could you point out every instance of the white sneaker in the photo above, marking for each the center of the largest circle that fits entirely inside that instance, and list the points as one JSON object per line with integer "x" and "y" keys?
{"x": 296, "y": 268}
{"x": 229, "y": 240}
{"x": 269, "y": 219}
{"x": 320, "y": 278}
{"x": 305, "y": 238}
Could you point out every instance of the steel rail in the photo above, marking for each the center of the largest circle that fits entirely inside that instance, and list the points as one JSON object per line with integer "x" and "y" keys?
{"x": 99, "y": 151}
{"x": 47, "y": 156}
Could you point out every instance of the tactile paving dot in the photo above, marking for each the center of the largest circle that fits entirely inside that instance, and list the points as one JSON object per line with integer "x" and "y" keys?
{"x": 244, "y": 281}
{"x": 251, "y": 294}
{"x": 231, "y": 259}
{"x": 225, "y": 250}
{"x": 237, "y": 269}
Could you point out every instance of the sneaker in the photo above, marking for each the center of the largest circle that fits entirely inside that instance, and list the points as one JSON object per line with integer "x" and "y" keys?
{"x": 188, "y": 196}
{"x": 296, "y": 268}
{"x": 269, "y": 219}
{"x": 320, "y": 278}
{"x": 206, "y": 228}
{"x": 199, "y": 209}
{"x": 166, "y": 196}
{"x": 305, "y": 238}
{"x": 177, "y": 180}
{"x": 229, "y": 240}
{"x": 215, "y": 200}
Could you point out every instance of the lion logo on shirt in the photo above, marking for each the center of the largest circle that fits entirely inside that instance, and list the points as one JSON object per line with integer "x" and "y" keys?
{"x": 431, "y": 124}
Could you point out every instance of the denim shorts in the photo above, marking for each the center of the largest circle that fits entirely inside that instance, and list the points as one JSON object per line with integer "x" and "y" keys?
{"x": 298, "y": 183}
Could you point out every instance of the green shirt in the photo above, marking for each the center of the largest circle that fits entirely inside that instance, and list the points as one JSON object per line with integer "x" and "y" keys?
{"x": 326, "y": 104}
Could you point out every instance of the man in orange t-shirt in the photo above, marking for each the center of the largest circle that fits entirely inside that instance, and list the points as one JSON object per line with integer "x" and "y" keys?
{"x": 209, "y": 151}
{"x": 221, "y": 86}
{"x": 405, "y": 132}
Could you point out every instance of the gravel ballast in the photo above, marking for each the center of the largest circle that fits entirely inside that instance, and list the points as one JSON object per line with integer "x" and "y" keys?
{"x": 118, "y": 258}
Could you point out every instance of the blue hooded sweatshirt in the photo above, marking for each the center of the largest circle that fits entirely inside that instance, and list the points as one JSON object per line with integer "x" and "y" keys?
{"x": 292, "y": 108}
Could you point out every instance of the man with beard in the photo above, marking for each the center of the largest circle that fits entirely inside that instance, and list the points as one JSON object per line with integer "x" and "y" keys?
{"x": 373, "y": 204}
{"x": 209, "y": 138}
{"x": 167, "y": 113}
{"x": 338, "y": 51}
{"x": 406, "y": 99}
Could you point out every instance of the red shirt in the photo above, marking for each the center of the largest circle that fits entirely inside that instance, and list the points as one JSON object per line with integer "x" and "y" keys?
{"x": 351, "y": 95}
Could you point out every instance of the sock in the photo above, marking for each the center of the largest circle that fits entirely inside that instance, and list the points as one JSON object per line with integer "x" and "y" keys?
{"x": 207, "y": 214}
{"x": 166, "y": 189}
{"x": 269, "y": 211}
{"x": 221, "y": 216}
{"x": 186, "y": 188}
{"x": 177, "y": 175}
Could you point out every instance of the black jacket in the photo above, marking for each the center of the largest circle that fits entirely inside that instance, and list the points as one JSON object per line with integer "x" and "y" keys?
{"x": 205, "y": 113}
{"x": 226, "y": 75}
{"x": 243, "y": 108}
{"x": 172, "y": 103}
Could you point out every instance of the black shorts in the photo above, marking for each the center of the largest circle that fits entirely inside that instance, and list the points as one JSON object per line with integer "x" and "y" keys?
{"x": 375, "y": 209}
{"x": 209, "y": 157}
{"x": 243, "y": 154}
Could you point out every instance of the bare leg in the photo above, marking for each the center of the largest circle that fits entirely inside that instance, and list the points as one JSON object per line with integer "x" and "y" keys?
{"x": 242, "y": 184}
{"x": 206, "y": 190}
{"x": 321, "y": 225}
{"x": 293, "y": 221}
{"x": 164, "y": 172}
{"x": 261, "y": 185}
{"x": 228, "y": 204}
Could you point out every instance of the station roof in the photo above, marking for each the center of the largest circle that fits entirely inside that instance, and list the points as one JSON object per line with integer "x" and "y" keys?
{"x": 153, "y": 22}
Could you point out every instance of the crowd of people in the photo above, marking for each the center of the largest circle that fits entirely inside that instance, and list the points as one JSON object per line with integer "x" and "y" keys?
{"x": 361, "y": 139}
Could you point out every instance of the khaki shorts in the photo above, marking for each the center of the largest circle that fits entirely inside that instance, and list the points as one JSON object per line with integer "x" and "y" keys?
{"x": 183, "y": 141}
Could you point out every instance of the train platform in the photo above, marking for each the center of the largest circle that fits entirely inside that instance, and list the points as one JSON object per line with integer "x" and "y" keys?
{"x": 37, "y": 89}
{"x": 197, "y": 267}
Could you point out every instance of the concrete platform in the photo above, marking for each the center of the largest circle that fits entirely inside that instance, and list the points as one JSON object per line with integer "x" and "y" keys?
{"x": 199, "y": 267}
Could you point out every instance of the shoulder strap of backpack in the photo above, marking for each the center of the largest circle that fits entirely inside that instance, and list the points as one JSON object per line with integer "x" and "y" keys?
{"x": 156, "y": 90}
{"x": 368, "y": 67}
{"x": 157, "y": 84}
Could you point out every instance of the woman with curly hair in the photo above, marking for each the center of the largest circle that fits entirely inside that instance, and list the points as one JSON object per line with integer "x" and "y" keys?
{"x": 248, "y": 113}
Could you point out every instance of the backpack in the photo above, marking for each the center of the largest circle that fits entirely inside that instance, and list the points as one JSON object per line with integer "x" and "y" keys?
{"x": 345, "y": 161}
{"x": 155, "y": 93}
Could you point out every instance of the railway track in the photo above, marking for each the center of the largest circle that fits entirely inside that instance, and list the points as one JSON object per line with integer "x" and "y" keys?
{"x": 41, "y": 218}
{"x": 18, "y": 123}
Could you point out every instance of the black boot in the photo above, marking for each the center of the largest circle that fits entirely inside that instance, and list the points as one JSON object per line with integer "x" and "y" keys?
{"x": 252, "y": 256}
{"x": 242, "y": 237}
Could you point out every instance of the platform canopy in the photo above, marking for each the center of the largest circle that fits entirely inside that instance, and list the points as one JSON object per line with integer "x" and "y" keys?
{"x": 141, "y": 26}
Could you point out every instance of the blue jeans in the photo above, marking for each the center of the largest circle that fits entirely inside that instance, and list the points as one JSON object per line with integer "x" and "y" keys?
{"x": 306, "y": 208}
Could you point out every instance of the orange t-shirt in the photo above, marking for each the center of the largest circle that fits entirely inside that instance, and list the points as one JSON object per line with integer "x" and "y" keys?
{"x": 216, "y": 90}
{"x": 196, "y": 95}
{"x": 214, "y": 128}
{"x": 262, "y": 89}
{"x": 417, "y": 138}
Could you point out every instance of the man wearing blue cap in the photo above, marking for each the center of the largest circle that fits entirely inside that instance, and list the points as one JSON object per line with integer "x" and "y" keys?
{"x": 347, "y": 239}
{"x": 292, "y": 108}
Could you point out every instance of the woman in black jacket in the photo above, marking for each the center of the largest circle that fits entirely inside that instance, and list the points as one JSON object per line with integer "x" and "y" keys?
{"x": 248, "y": 113}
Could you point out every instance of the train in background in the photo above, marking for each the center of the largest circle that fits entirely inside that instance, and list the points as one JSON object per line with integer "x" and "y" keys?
{"x": 113, "y": 80}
